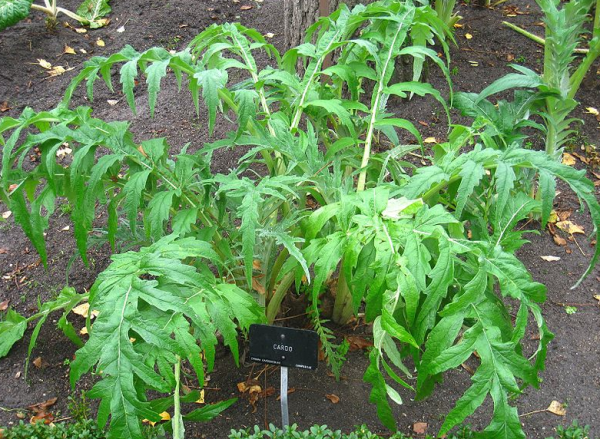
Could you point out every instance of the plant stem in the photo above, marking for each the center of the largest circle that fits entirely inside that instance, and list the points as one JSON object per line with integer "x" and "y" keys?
{"x": 280, "y": 292}
{"x": 176, "y": 422}
{"x": 343, "y": 308}
{"x": 536, "y": 38}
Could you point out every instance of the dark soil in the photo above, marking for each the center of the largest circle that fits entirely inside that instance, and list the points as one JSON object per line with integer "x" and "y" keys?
{"x": 573, "y": 372}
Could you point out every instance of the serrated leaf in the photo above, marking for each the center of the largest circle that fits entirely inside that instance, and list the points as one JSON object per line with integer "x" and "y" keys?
{"x": 211, "y": 82}
{"x": 93, "y": 10}
{"x": 158, "y": 212}
{"x": 13, "y": 11}
{"x": 12, "y": 328}
{"x": 471, "y": 174}
{"x": 210, "y": 411}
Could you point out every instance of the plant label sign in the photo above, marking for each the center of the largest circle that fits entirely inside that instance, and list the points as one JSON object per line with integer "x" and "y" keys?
{"x": 287, "y": 347}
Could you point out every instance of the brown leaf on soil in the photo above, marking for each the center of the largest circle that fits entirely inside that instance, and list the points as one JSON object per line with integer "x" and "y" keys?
{"x": 4, "y": 305}
{"x": 38, "y": 362}
{"x": 420, "y": 427}
{"x": 559, "y": 240}
{"x": 557, "y": 408}
{"x": 568, "y": 159}
{"x": 290, "y": 390}
{"x": 242, "y": 387}
{"x": 583, "y": 158}
{"x": 550, "y": 258}
{"x": 358, "y": 343}
{"x": 333, "y": 398}
{"x": 245, "y": 7}
{"x": 4, "y": 107}
{"x": 597, "y": 296}
{"x": 41, "y": 412}
{"x": 510, "y": 57}
{"x": 563, "y": 215}
{"x": 570, "y": 227}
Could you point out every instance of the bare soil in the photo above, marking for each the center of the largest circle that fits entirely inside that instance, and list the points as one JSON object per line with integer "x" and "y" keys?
{"x": 572, "y": 376}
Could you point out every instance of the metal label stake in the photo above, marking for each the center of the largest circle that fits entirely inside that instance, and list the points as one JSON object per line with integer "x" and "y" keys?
{"x": 285, "y": 347}
{"x": 285, "y": 416}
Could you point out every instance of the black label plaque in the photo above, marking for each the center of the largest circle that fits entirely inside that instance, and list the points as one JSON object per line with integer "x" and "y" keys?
{"x": 287, "y": 347}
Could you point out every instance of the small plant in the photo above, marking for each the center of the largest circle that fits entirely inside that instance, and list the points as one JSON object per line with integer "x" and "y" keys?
{"x": 87, "y": 429}
{"x": 570, "y": 309}
{"x": 314, "y": 432}
{"x": 573, "y": 431}
{"x": 90, "y": 12}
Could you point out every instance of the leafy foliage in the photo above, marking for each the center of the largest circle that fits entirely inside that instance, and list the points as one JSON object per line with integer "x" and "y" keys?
{"x": 13, "y": 11}
{"x": 429, "y": 252}
{"x": 39, "y": 430}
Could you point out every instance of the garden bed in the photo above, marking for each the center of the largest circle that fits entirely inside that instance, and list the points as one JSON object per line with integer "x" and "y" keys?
{"x": 484, "y": 49}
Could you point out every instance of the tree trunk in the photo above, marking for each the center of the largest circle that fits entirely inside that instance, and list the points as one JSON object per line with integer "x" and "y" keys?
{"x": 300, "y": 14}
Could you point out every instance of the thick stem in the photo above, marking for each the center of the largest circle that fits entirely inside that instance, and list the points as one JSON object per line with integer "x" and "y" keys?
{"x": 343, "y": 308}
{"x": 280, "y": 292}
{"x": 177, "y": 422}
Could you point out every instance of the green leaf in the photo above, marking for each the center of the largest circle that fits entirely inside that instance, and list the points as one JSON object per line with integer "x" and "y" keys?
{"x": 12, "y": 328}
{"x": 528, "y": 79}
{"x": 93, "y": 10}
{"x": 13, "y": 11}
{"x": 246, "y": 100}
{"x": 209, "y": 411}
{"x": 211, "y": 82}
{"x": 133, "y": 195}
{"x": 155, "y": 72}
{"x": 378, "y": 395}
{"x": 183, "y": 221}
{"x": 471, "y": 174}
{"x": 159, "y": 210}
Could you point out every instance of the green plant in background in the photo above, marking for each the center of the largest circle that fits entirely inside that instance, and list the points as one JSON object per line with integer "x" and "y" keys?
{"x": 429, "y": 252}
{"x": 87, "y": 429}
{"x": 559, "y": 83}
{"x": 573, "y": 431}
{"x": 90, "y": 12}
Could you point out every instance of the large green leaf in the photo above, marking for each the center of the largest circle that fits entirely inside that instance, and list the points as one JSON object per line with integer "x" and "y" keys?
{"x": 12, "y": 328}
{"x": 13, "y": 11}
{"x": 93, "y": 10}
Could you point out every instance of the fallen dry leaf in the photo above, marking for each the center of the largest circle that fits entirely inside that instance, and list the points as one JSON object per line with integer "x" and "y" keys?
{"x": 3, "y": 251}
{"x": 420, "y": 427}
{"x": 8, "y": 213}
{"x": 100, "y": 43}
{"x": 550, "y": 258}
{"x": 556, "y": 408}
{"x": 290, "y": 390}
{"x": 245, "y": 7}
{"x": 358, "y": 343}
{"x": 37, "y": 362}
{"x": 44, "y": 64}
{"x": 4, "y": 106}
{"x": 82, "y": 310}
{"x": 121, "y": 29}
{"x": 200, "y": 400}
{"x": 468, "y": 36}
{"x": 333, "y": 398}
{"x": 568, "y": 159}
{"x": 564, "y": 215}
{"x": 4, "y": 305}
{"x": 592, "y": 110}
{"x": 269, "y": 35}
{"x": 597, "y": 297}
{"x": 430, "y": 140}
{"x": 570, "y": 227}
{"x": 112, "y": 102}
{"x": 559, "y": 240}
{"x": 81, "y": 30}
{"x": 83, "y": 331}
{"x": 68, "y": 50}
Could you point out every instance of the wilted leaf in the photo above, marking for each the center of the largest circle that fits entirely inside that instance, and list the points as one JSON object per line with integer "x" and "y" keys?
{"x": 83, "y": 331}
{"x": 557, "y": 408}
{"x": 570, "y": 227}
{"x": 69, "y": 50}
{"x": 468, "y": 36}
{"x": 550, "y": 258}
{"x": 358, "y": 343}
{"x": 430, "y": 140}
{"x": 269, "y": 35}
{"x": 4, "y": 305}
{"x": 100, "y": 43}
{"x": 568, "y": 159}
{"x": 245, "y": 7}
{"x": 37, "y": 362}
{"x": 559, "y": 240}
{"x": 597, "y": 297}
{"x": 333, "y": 398}
{"x": 420, "y": 427}
{"x": 592, "y": 110}
{"x": 44, "y": 64}
{"x": 4, "y": 106}
{"x": 112, "y": 102}
{"x": 81, "y": 30}
{"x": 200, "y": 400}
